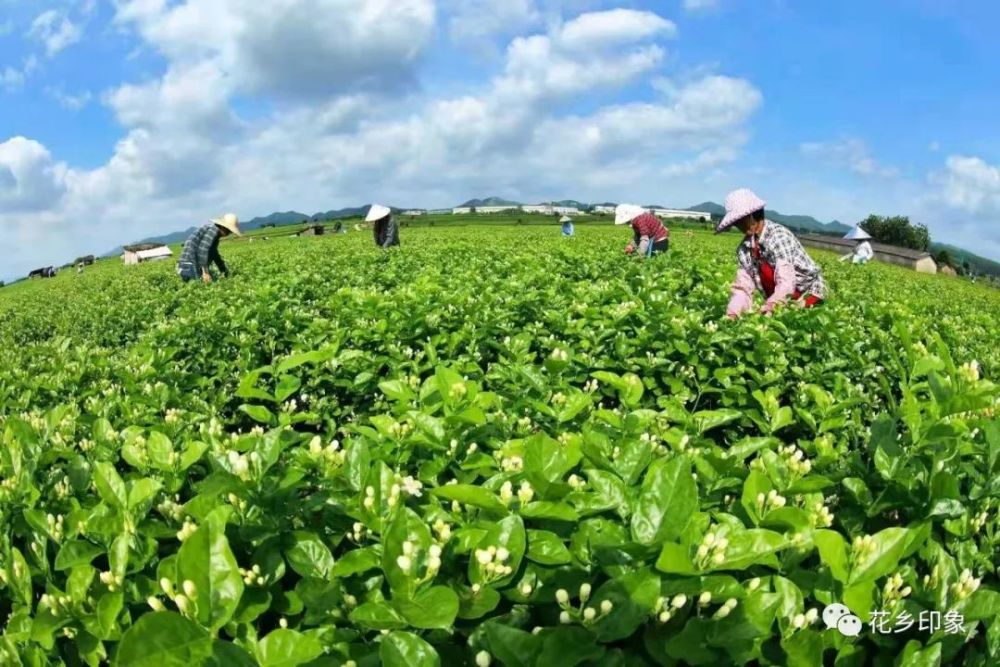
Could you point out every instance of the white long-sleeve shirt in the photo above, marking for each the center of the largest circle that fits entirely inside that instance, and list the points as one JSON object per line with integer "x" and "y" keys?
{"x": 864, "y": 251}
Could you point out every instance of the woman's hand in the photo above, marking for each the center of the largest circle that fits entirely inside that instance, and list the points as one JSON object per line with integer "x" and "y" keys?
{"x": 206, "y": 277}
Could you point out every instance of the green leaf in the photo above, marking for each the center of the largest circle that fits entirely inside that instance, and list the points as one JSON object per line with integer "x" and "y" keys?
{"x": 287, "y": 385}
{"x": 163, "y": 639}
{"x": 468, "y": 494}
{"x": 887, "y": 548}
{"x": 308, "y": 555}
{"x": 110, "y": 485}
{"x": 377, "y": 616}
{"x": 206, "y": 559}
{"x": 634, "y": 598}
{"x": 357, "y": 562}
{"x": 258, "y": 413}
{"x": 287, "y": 648}
{"x": 302, "y": 358}
{"x": 511, "y": 646}
{"x": 477, "y": 605}
{"x": 549, "y": 458}
{"x": 568, "y": 647}
{"x": 833, "y": 553}
{"x": 142, "y": 491}
{"x": 434, "y": 608}
{"x": 403, "y": 649}
{"x": 666, "y": 502}
{"x": 406, "y": 526}
{"x": 544, "y": 509}
{"x": 547, "y": 548}
{"x": 508, "y": 533}
{"x": 914, "y": 655}
{"x": 76, "y": 552}
{"x": 674, "y": 559}
{"x": 804, "y": 648}
{"x": 707, "y": 420}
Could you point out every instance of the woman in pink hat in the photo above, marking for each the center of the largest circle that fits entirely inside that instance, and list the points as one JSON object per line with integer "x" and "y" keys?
{"x": 771, "y": 260}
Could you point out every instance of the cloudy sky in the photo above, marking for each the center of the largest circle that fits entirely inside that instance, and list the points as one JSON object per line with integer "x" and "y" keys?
{"x": 125, "y": 118}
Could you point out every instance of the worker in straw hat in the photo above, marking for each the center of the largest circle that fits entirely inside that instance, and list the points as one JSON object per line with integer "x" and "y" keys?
{"x": 863, "y": 252}
{"x": 771, "y": 260}
{"x": 202, "y": 249}
{"x": 649, "y": 236}
{"x": 567, "y": 225}
{"x": 385, "y": 228}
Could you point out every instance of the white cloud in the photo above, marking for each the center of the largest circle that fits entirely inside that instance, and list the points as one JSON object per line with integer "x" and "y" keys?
{"x": 971, "y": 185}
{"x": 68, "y": 100}
{"x": 849, "y": 152}
{"x": 473, "y": 20}
{"x": 700, "y": 5}
{"x": 29, "y": 179}
{"x": 54, "y": 29}
{"x": 299, "y": 48}
{"x": 12, "y": 78}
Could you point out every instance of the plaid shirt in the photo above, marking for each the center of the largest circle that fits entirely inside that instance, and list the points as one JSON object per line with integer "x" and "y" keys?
{"x": 200, "y": 250}
{"x": 779, "y": 246}
{"x": 649, "y": 226}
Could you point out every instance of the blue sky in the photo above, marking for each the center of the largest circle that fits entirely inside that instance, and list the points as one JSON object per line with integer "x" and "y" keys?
{"x": 126, "y": 118}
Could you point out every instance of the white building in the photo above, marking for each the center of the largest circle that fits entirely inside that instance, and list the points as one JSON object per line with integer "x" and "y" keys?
{"x": 495, "y": 209}
{"x": 604, "y": 210}
{"x": 677, "y": 213}
{"x": 461, "y": 210}
{"x": 146, "y": 252}
{"x": 414, "y": 212}
{"x": 566, "y": 210}
{"x": 545, "y": 209}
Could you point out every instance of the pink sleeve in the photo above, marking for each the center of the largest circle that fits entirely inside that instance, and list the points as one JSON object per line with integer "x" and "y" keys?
{"x": 784, "y": 285}
{"x": 741, "y": 295}
{"x": 643, "y": 245}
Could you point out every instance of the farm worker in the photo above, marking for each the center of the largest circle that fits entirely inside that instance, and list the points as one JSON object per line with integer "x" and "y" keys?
{"x": 862, "y": 254}
{"x": 770, "y": 259}
{"x": 862, "y": 249}
{"x": 567, "y": 225}
{"x": 385, "y": 227}
{"x": 649, "y": 236}
{"x": 202, "y": 249}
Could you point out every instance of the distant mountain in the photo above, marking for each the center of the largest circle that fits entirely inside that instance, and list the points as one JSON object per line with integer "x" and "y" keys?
{"x": 276, "y": 220}
{"x": 489, "y": 201}
{"x": 979, "y": 265}
{"x": 716, "y": 210}
{"x": 352, "y": 212}
{"x": 797, "y": 222}
{"x": 572, "y": 203}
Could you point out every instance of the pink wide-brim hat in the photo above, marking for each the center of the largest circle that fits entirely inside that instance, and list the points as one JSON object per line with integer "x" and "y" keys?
{"x": 739, "y": 204}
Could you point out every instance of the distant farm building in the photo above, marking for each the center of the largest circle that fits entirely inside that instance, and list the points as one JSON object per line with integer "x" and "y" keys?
{"x": 495, "y": 209}
{"x": 145, "y": 252}
{"x": 44, "y": 272}
{"x": 414, "y": 212}
{"x": 85, "y": 261}
{"x": 604, "y": 210}
{"x": 947, "y": 271}
{"x": 566, "y": 210}
{"x": 677, "y": 213}
{"x": 918, "y": 260}
{"x": 314, "y": 230}
{"x": 545, "y": 209}
{"x": 461, "y": 210}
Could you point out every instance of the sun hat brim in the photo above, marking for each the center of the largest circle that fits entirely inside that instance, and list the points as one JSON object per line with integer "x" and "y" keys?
{"x": 222, "y": 222}
{"x": 746, "y": 203}
{"x": 626, "y": 213}
{"x": 377, "y": 212}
